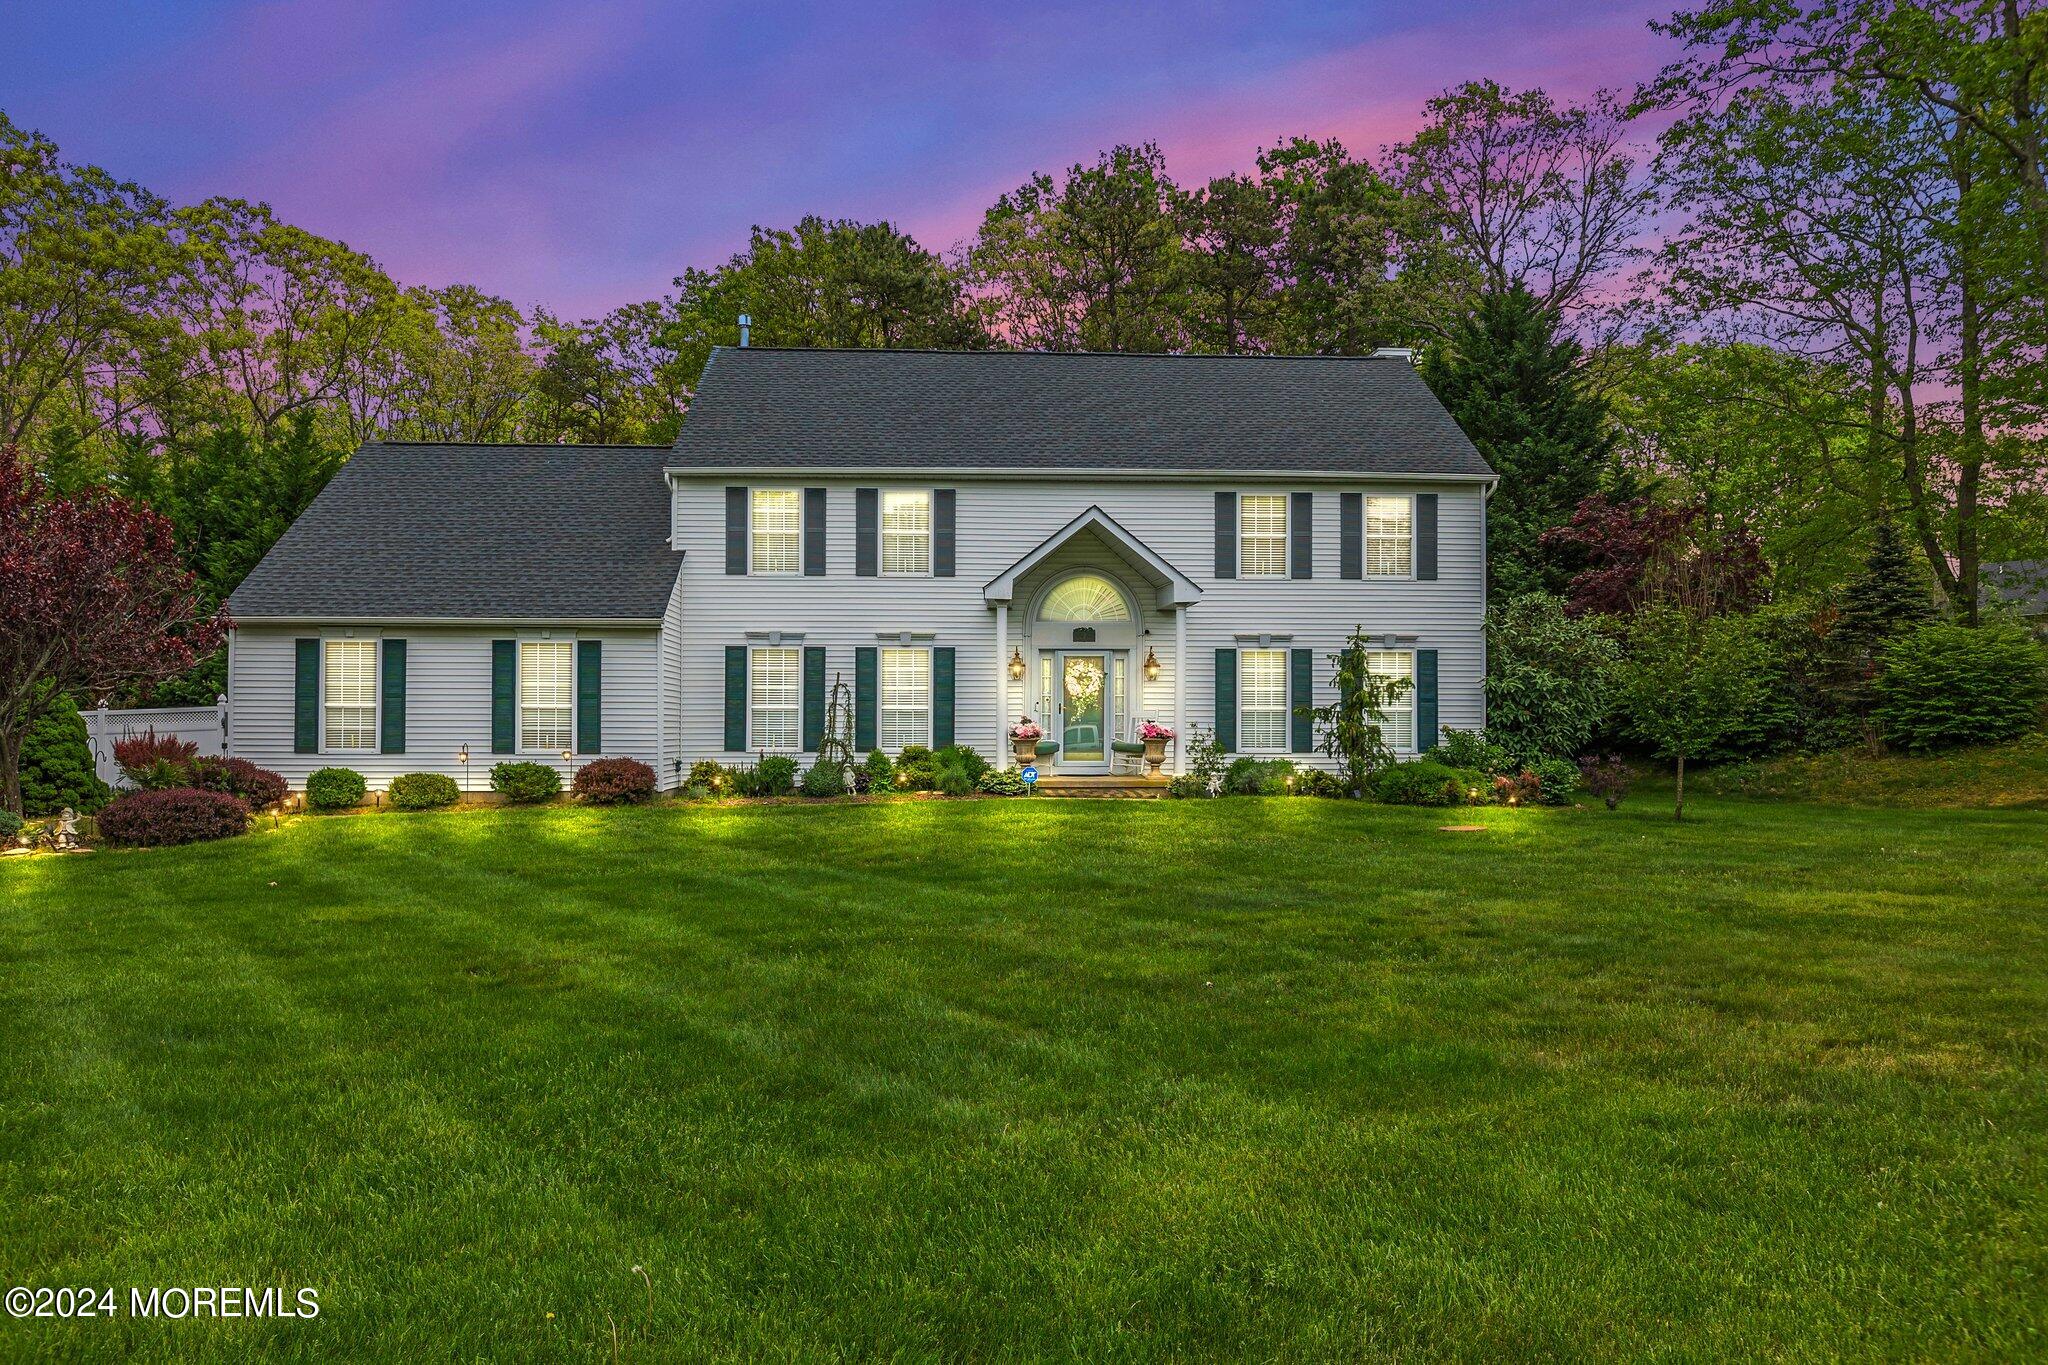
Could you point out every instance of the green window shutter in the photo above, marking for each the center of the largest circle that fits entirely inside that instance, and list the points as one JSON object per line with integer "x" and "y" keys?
{"x": 504, "y": 683}
{"x": 1301, "y": 665}
{"x": 814, "y": 532}
{"x": 1301, "y": 530}
{"x": 942, "y": 698}
{"x": 1425, "y": 536}
{"x": 736, "y": 530}
{"x": 1351, "y": 536}
{"x": 392, "y": 740}
{"x": 1425, "y": 700}
{"x": 864, "y": 662}
{"x": 1226, "y": 535}
{"x": 306, "y": 697}
{"x": 735, "y": 699}
{"x": 867, "y": 532}
{"x": 1226, "y": 698}
{"x": 590, "y": 696}
{"x": 814, "y": 697}
{"x": 943, "y": 500}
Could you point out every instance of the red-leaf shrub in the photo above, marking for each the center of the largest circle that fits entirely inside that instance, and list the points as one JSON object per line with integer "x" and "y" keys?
{"x": 176, "y": 815}
{"x": 257, "y": 787}
{"x": 1642, "y": 552}
{"x": 153, "y": 762}
{"x": 614, "y": 781}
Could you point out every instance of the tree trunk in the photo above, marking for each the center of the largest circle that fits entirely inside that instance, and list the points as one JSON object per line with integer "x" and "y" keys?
{"x": 1970, "y": 379}
{"x": 1678, "y": 812}
{"x": 10, "y": 771}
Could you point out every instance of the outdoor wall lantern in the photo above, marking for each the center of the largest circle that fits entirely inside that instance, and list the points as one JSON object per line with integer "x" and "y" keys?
{"x": 1151, "y": 666}
{"x": 1016, "y": 665}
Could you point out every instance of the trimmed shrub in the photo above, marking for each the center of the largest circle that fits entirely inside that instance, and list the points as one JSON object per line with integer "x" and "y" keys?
{"x": 174, "y": 815}
{"x": 1318, "y": 782}
{"x": 335, "y": 789}
{"x": 257, "y": 787}
{"x": 56, "y": 763}
{"x": 614, "y": 782}
{"x": 1606, "y": 777}
{"x": 524, "y": 784}
{"x": 1188, "y": 787}
{"x": 1556, "y": 780}
{"x": 423, "y": 791}
{"x": 915, "y": 769}
{"x": 1258, "y": 777}
{"x": 775, "y": 776}
{"x": 1945, "y": 685}
{"x": 710, "y": 775}
{"x": 952, "y": 776}
{"x": 961, "y": 756}
{"x": 10, "y": 828}
{"x": 1519, "y": 789}
{"x": 1471, "y": 749}
{"x": 1421, "y": 783}
{"x": 824, "y": 779}
{"x": 877, "y": 773}
{"x": 1550, "y": 678}
{"x": 1001, "y": 782}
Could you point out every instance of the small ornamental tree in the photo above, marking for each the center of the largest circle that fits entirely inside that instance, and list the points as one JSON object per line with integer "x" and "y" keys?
{"x": 1349, "y": 728}
{"x": 1642, "y": 553}
{"x": 92, "y": 597}
{"x": 1686, "y": 680}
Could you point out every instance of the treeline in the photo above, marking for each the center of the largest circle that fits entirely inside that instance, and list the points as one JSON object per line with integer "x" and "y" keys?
{"x": 1811, "y": 306}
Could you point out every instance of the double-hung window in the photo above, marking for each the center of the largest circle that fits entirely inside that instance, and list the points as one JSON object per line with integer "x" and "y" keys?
{"x": 1262, "y": 700}
{"x": 1389, "y": 537}
{"x": 776, "y": 682}
{"x": 547, "y": 696}
{"x": 1397, "y": 717}
{"x": 351, "y": 694}
{"x": 776, "y": 531}
{"x": 1262, "y": 535}
{"x": 906, "y": 686}
{"x": 906, "y": 532}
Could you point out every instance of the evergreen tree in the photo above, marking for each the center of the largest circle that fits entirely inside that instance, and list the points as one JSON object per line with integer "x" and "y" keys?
{"x": 1517, "y": 389}
{"x": 1890, "y": 597}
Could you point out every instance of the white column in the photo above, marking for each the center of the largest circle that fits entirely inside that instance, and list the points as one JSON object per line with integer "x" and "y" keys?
{"x": 1180, "y": 689}
{"x": 1000, "y": 755}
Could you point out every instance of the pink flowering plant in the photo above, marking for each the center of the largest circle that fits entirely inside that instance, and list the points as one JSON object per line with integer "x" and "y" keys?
{"x": 1026, "y": 728}
{"x": 1152, "y": 729}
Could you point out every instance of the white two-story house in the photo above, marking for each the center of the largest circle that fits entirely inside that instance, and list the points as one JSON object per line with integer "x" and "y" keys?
{"x": 962, "y": 539}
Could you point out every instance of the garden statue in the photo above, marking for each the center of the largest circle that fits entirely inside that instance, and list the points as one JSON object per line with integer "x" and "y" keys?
{"x": 64, "y": 837}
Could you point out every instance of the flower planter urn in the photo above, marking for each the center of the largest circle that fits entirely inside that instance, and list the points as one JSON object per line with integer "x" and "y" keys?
{"x": 1155, "y": 754}
{"x": 1026, "y": 751}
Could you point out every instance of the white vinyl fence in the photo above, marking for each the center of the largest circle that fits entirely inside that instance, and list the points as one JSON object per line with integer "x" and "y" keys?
{"x": 205, "y": 726}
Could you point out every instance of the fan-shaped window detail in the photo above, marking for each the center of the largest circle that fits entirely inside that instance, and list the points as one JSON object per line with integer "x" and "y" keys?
{"x": 1086, "y": 598}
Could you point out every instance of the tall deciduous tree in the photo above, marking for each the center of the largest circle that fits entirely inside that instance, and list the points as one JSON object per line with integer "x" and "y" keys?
{"x": 1518, "y": 390}
{"x": 95, "y": 597}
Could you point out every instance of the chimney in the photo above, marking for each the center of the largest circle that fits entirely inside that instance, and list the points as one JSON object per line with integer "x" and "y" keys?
{"x": 1406, "y": 353}
{"x": 745, "y": 323}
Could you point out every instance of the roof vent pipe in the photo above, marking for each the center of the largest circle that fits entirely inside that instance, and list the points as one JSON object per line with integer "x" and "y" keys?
{"x": 745, "y": 323}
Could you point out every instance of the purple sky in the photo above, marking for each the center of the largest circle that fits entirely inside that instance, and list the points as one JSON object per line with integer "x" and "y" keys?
{"x": 579, "y": 154}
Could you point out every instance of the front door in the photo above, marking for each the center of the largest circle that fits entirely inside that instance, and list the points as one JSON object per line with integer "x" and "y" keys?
{"x": 1085, "y": 722}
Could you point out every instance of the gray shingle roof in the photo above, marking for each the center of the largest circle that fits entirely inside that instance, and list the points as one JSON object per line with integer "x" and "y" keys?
{"x": 507, "y": 532}
{"x": 2021, "y": 583}
{"x": 1011, "y": 410}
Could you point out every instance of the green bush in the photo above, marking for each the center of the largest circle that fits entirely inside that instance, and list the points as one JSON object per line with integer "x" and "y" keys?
{"x": 914, "y": 768}
{"x": 1550, "y": 678}
{"x": 1001, "y": 782}
{"x": 1258, "y": 777}
{"x": 709, "y": 774}
{"x": 877, "y": 773}
{"x": 524, "y": 784}
{"x": 1421, "y": 783}
{"x": 56, "y": 763}
{"x": 10, "y": 828}
{"x": 1471, "y": 749}
{"x": 775, "y": 776}
{"x": 1188, "y": 787}
{"x": 335, "y": 789}
{"x": 1556, "y": 780}
{"x": 1946, "y": 684}
{"x": 824, "y": 779}
{"x": 952, "y": 775}
{"x": 423, "y": 791}
{"x": 959, "y": 755}
{"x": 1318, "y": 782}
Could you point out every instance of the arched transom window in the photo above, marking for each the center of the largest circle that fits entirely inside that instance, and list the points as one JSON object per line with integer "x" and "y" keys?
{"x": 1085, "y": 598}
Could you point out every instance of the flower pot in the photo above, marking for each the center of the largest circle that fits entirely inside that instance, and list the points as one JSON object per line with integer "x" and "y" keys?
{"x": 1155, "y": 754}
{"x": 1026, "y": 751}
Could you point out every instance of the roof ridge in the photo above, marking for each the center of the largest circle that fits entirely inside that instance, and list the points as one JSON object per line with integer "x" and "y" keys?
{"x": 526, "y": 445}
{"x": 1013, "y": 351}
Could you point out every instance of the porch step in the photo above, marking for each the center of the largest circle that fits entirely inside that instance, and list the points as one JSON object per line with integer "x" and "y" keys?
{"x": 1120, "y": 787}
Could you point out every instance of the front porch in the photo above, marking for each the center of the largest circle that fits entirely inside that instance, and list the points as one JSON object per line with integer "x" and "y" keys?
{"x": 1118, "y": 787}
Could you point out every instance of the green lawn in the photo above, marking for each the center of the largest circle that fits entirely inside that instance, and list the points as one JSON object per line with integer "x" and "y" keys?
{"x": 1266, "y": 1079}
{"x": 2013, "y": 775}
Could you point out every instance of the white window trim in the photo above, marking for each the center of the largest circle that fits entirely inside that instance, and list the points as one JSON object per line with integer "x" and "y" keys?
{"x": 376, "y": 644}
{"x": 931, "y": 532}
{"x": 1286, "y": 704}
{"x": 881, "y": 691}
{"x": 796, "y": 572}
{"x": 1365, "y": 538}
{"x": 519, "y": 690}
{"x": 753, "y": 675}
{"x": 1286, "y": 534}
{"x": 1406, "y": 704}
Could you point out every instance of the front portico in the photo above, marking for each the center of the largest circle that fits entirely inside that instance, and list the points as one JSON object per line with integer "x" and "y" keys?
{"x": 1085, "y": 651}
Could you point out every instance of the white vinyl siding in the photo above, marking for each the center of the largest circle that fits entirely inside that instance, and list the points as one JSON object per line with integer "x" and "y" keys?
{"x": 775, "y": 685}
{"x": 1397, "y": 719}
{"x": 1262, "y": 535}
{"x": 350, "y": 701}
{"x": 1389, "y": 537}
{"x": 776, "y": 524}
{"x": 906, "y": 533}
{"x": 547, "y": 696}
{"x": 1262, "y": 700}
{"x": 906, "y": 686}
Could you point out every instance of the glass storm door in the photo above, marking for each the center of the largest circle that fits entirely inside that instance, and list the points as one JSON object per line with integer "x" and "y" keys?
{"x": 1084, "y": 712}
